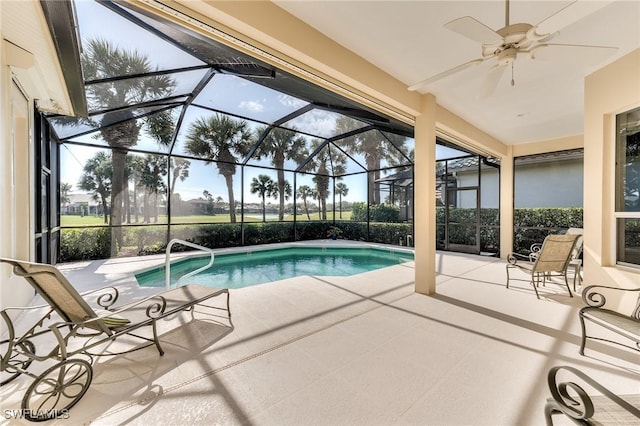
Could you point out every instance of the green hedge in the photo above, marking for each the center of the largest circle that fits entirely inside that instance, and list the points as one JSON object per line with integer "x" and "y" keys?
{"x": 312, "y": 230}
{"x": 464, "y": 232}
{"x": 85, "y": 244}
{"x": 377, "y": 212}
{"x": 530, "y": 226}
{"x": 217, "y": 235}
{"x": 95, "y": 243}
{"x": 533, "y": 225}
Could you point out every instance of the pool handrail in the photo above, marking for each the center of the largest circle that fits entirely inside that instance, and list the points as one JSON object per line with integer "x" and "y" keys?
{"x": 167, "y": 261}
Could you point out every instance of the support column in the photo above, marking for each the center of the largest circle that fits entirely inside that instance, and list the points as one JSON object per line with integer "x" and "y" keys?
{"x": 425, "y": 197}
{"x": 506, "y": 203}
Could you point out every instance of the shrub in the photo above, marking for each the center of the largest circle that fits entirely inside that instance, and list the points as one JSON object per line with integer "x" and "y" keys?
{"x": 389, "y": 233}
{"x": 85, "y": 244}
{"x": 356, "y": 231}
{"x": 359, "y": 212}
{"x": 377, "y": 212}
{"x": 533, "y": 225}
{"x": 216, "y": 235}
{"x": 268, "y": 232}
{"x": 311, "y": 230}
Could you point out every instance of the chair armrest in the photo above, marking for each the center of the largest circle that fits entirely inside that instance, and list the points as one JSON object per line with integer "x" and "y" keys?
{"x": 107, "y": 296}
{"x": 594, "y": 297}
{"x": 534, "y": 251}
{"x": 535, "y": 247}
{"x": 513, "y": 258}
{"x": 573, "y": 400}
{"x": 154, "y": 310}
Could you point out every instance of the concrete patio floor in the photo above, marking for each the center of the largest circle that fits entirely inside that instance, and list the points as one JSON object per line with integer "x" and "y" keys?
{"x": 359, "y": 350}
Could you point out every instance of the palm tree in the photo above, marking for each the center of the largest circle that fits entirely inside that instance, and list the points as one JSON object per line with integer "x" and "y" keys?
{"x": 264, "y": 186}
{"x": 179, "y": 170}
{"x": 341, "y": 190}
{"x": 135, "y": 164}
{"x": 209, "y": 197}
{"x": 281, "y": 145}
{"x": 321, "y": 163}
{"x": 219, "y": 139}
{"x": 374, "y": 146}
{"x": 153, "y": 171}
{"x": 287, "y": 191}
{"x": 96, "y": 177}
{"x": 305, "y": 192}
{"x": 100, "y": 59}
{"x": 65, "y": 188}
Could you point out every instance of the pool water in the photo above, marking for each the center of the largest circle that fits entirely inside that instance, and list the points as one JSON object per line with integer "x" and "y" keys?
{"x": 237, "y": 270}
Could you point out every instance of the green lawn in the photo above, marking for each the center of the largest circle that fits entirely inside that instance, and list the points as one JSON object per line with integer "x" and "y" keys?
{"x": 71, "y": 220}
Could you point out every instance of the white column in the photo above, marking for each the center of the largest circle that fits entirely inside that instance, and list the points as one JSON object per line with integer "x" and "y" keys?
{"x": 506, "y": 203}
{"x": 425, "y": 197}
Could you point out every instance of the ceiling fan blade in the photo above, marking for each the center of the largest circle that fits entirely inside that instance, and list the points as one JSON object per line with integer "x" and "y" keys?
{"x": 572, "y": 53}
{"x": 474, "y": 30}
{"x": 566, "y": 16}
{"x": 447, "y": 73}
{"x": 491, "y": 80}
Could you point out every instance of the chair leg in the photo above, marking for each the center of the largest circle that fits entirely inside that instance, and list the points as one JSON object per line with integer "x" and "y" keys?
{"x": 567, "y": 283}
{"x": 535, "y": 287}
{"x": 507, "y": 276}
{"x": 155, "y": 338}
{"x": 584, "y": 333}
{"x": 550, "y": 408}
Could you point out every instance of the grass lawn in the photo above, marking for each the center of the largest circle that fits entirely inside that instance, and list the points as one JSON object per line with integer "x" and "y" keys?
{"x": 72, "y": 220}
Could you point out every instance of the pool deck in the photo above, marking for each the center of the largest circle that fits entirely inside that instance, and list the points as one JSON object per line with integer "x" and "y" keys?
{"x": 364, "y": 349}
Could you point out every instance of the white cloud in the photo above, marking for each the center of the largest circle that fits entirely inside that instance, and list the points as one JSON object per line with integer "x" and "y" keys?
{"x": 290, "y": 101}
{"x": 254, "y": 106}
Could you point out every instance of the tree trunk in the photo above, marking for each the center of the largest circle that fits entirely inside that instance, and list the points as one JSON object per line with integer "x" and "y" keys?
{"x": 127, "y": 203}
{"x": 104, "y": 208}
{"x": 135, "y": 199}
{"x": 340, "y": 196}
{"x": 376, "y": 176}
{"x": 264, "y": 209}
{"x": 281, "y": 191}
{"x": 232, "y": 204}
{"x": 118, "y": 159}
{"x": 145, "y": 200}
{"x": 324, "y": 208}
{"x": 306, "y": 209}
{"x": 155, "y": 207}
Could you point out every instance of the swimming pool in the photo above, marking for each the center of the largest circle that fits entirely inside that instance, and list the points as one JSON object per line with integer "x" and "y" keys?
{"x": 237, "y": 270}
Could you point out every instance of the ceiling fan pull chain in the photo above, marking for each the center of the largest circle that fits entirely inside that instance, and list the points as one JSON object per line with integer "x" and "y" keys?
{"x": 513, "y": 83}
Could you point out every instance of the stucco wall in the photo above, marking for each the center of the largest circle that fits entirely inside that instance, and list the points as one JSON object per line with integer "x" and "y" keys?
{"x": 608, "y": 91}
{"x": 15, "y": 191}
{"x": 553, "y": 184}
{"x": 549, "y": 184}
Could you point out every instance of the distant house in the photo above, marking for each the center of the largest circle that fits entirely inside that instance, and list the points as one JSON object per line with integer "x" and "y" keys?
{"x": 81, "y": 204}
{"x": 200, "y": 206}
{"x": 552, "y": 179}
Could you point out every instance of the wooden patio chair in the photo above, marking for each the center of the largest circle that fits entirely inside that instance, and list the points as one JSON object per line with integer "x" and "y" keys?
{"x": 551, "y": 260}
{"x": 78, "y": 327}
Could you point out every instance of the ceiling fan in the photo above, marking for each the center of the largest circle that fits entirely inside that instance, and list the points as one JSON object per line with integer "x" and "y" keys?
{"x": 506, "y": 44}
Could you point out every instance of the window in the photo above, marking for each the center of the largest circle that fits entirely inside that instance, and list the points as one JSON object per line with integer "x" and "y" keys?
{"x": 627, "y": 201}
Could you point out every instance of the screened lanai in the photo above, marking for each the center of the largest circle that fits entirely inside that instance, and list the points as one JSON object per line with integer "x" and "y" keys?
{"x": 187, "y": 138}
